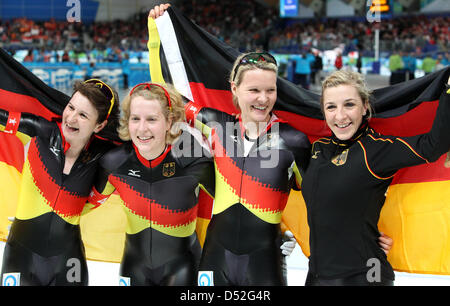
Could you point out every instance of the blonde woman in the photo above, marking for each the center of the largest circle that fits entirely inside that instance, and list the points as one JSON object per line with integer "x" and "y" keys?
{"x": 157, "y": 173}
{"x": 347, "y": 178}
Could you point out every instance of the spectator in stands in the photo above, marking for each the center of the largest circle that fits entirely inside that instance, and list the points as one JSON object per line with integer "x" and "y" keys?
{"x": 317, "y": 67}
{"x": 65, "y": 57}
{"x": 396, "y": 66}
{"x": 125, "y": 69}
{"x": 89, "y": 71}
{"x": 302, "y": 70}
{"x": 428, "y": 64}
{"x": 29, "y": 56}
{"x": 410, "y": 65}
{"x": 446, "y": 60}
{"x": 359, "y": 62}
{"x": 338, "y": 62}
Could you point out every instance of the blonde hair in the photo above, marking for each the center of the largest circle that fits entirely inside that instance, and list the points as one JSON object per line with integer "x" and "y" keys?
{"x": 352, "y": 78}
{"x": 176, "y": 114}
{"x": 237, "y": 75}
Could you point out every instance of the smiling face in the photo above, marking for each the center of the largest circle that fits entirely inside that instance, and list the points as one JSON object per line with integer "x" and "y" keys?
{"x": 344, "y": 110}
{"x": 79, "y": 120}
{"x": 148, "y": 126}
{"x": 256, "y": 95}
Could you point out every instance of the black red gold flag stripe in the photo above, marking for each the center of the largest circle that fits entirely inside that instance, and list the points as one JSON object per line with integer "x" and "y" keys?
{"x": 417, "y": 209}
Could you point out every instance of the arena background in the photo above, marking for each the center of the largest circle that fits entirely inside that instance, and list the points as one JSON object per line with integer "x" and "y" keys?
{"x": 66, "y": 40}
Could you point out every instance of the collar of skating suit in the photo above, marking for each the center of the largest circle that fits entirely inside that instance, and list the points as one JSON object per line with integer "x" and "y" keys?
{"x": 273, "y": 119}
{"x": 362, "y": 130}
{"x": 154, "y": 162}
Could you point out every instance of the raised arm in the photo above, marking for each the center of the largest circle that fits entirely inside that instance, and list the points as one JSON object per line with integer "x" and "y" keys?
{"x": 23, "y": 125}
{"x": 101, "y": 190}
{"x": 399, "y": 152}
{"x": 158, "y": 10}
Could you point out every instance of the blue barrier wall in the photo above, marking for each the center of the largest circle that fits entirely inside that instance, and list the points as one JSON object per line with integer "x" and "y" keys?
{"x": 62, "y": 75}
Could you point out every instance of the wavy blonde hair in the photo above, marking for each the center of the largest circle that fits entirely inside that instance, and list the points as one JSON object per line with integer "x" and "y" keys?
{"x": 176, "y": 114}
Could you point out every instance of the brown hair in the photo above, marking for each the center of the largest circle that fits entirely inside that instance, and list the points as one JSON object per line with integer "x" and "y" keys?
{"x": 177, "y": 113}
{"x": 100, "y": 101}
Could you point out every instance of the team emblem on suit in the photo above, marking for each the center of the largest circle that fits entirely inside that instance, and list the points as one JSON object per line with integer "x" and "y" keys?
{"x": 168, "y": 169}
{"x": 340, "y": 159}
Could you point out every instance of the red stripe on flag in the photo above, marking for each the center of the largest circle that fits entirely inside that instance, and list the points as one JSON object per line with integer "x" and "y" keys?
{"x": 14, "y": 102}
{"x": 215, "y": 98}
{"x": 11, "y": 151}
{"x": 432, "y": 172}
{"x": 313, "y": 128}
{"x": 205, "y": 205}
{"x": 415, "y": 122}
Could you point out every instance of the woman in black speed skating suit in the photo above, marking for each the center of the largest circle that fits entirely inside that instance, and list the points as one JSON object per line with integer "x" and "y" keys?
{"x": 44, "y": 243}
{"x": 347, "y": 178}
{"x": 157, "y": 175}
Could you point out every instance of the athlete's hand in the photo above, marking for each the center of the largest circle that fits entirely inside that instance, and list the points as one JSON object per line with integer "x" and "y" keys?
{"x": 158, "y": 10}
{"x": 447, "y": 160}
{"x": 289, "y": 243}
{"x": 385, "y": 242}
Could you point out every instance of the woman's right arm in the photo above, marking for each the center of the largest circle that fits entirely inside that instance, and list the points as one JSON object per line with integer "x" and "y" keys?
{"x": 101, "y": 191}
{"x": 158, "y": 10}
{"x": 23, "y": 125}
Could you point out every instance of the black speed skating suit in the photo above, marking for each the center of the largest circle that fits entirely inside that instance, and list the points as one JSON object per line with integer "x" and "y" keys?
{"x": 344, "y": 190}
{"x": 45, "y": 242}
{"x": 160, "y": 201}
{"x": 243, "y": 239}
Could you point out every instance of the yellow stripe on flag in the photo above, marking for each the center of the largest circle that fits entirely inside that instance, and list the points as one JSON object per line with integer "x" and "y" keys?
{"x": 417, "y": 217}
{"x": 153, "y": 45}
{"x": 103, "y": 231}
{"x": 9, "y": 193}
{"x": 201, "y": 227}
{"x": 294, "y": 218}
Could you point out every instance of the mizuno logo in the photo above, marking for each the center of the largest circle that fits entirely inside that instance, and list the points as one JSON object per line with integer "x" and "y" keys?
{"x": 55, "y": 151}
{"x": 134, "y": 173}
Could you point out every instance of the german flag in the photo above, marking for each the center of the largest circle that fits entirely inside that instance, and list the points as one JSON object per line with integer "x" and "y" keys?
{"x": 417, "y": 209}
{"x": 21, "y": 91}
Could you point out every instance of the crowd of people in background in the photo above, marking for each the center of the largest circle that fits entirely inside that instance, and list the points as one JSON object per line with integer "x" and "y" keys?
{"x": 409, "y": 33}
{"x": 245, "y": 25}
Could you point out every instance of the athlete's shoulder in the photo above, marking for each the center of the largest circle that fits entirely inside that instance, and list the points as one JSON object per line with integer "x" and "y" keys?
{"x": 190, "y": 146}
{"x": 293, "y": 137}
{"x": 373, "y": 138}
{"x": 321, "y": 142}
{"x": 102, "y": 146}
{"x": 115, "y": 157}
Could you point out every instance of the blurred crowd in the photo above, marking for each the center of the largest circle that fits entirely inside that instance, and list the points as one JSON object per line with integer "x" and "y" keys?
{"x": 246, "y": 25}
